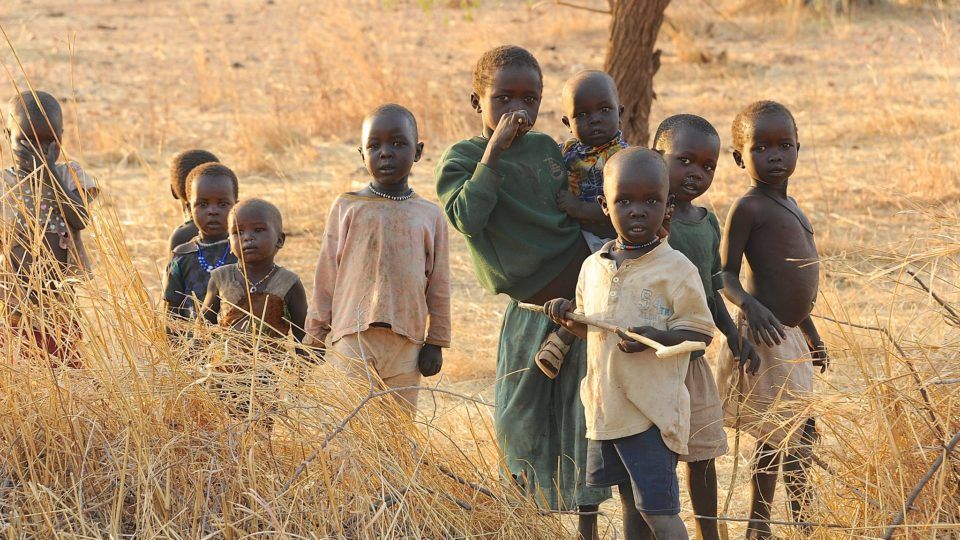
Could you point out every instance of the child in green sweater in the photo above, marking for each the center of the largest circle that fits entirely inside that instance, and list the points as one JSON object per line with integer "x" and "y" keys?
{"x": 500, "y": 190}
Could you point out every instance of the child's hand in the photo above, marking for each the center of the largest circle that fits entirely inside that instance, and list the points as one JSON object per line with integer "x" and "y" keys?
{"x": 745, "y": 354}
{"x": 764, "y": 325}
{"x": 557, "y": 310}
{"x": 628, "y": 345}
{"x": 569, "y": 204}
{"x": 511, "y": 126}
{"x": 820, "y": 356}
{"x": 430, "y": 360}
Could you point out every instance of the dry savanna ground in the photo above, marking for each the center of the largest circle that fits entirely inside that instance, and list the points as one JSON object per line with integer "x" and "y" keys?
{"x": 277, "y": 89}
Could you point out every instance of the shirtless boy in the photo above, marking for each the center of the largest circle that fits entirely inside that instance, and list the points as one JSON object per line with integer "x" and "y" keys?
{"x": 769, "y": 229}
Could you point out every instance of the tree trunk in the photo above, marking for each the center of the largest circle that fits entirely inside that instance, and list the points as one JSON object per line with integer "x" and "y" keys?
{"x": 632, "y": 61}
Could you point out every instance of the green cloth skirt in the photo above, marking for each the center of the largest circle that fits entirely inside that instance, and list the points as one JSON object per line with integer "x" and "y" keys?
{"x": 540, "y": 422}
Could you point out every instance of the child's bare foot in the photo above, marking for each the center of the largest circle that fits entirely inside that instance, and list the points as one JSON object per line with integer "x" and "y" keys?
{"x": 554, "y": 349}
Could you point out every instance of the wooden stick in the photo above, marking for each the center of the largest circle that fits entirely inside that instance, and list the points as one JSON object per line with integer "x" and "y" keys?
{"x": 907, "y": 504}
{"x": 663, "y": 351}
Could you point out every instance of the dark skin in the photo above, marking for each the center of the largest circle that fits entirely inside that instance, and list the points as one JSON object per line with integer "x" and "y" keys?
{"x": 691, "y": 158}
{"x": 635, "y": 198}
{"x": 390, "y": 147}
{"x": 509, "y": 110}
{"x": 35, "y": 142}
{"x": 255, "y": 239}
{"x": 212, "y": 199}
{"x": 592, "y": 112}
{"x": 769, "y": 229}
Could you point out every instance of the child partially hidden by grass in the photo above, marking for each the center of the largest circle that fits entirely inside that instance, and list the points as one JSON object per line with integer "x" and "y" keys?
{"x": 691, "y": 146}
{"x": 768, "y": 228}
{"x": 382, "y": 288}
{"x": 212, "y": 191}
{"x": 591, "y": 109}
{"x": 255, "y": 294}
{"x": 180, "y": 167}
{"x": 258, "y": 297}
{"x": 44, "y": 210}
{"x": 637, "y": 405}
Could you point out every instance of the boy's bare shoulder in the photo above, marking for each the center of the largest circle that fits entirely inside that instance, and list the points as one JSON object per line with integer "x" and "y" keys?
{"x": 750, "y": 205}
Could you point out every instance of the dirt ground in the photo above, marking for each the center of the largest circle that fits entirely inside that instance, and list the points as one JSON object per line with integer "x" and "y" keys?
{"x": 277, "y": 89}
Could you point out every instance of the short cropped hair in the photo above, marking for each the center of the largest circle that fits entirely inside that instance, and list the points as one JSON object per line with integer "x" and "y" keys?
{"x": 635, "y": 156}
{"x": 672, "y": 125}
{"x": 393, "y": 108}
{"x": 180, "y": 167}
{"x": 211, "y": 169}
{"x": 270, "y": 212}
{"x": 40, "y": 108}
{"x": 498, "y": 58}
{"x": 747, "y": 117}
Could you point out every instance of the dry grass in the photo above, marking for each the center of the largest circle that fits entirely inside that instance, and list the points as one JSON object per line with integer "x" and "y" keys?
{"x": 135, "y": 443}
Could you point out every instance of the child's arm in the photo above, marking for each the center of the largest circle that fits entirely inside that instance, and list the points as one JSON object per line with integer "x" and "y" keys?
{"x": 438, "y": 286}
{"x": 817, "y": 349}
{"x": 296, "y": 301}
{"x": 764, "y": 326}
{"x": 173, "y": 290}
{"x": 211, "y": 303}
{"x": 580, "y": 210}
{"x": 73, "y": 209}
{"x": 469, "y": 198}
{"x": 741, "y": 349}
{"x": 664, "y": 337}
{"x": 557, "y": 310}
{"x": 320, "y": 315}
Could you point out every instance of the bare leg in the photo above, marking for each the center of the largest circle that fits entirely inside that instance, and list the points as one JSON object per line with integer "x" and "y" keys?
{"x": 634, "y": 526}
{"x": 766, "y": 463}
{"x": 795, "y": 475}
{"x": 587, "y": 525}
{"x": 702, "y": 482}
{"x": 667, "y": 527}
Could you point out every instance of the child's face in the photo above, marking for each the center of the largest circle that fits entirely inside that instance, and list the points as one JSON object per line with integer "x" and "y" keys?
{"x": 514, "y": 88}
{"x": 635, "y": 198}
{"x": 211, "y": 198}
{"x": 254, "y": 236}
{"x": 390, "y": 147}
{"x": 691, "y": 161}
{"x": 592, "y": 112}
{"x": 32, "y": 140}
{"x": 770, "y": 150}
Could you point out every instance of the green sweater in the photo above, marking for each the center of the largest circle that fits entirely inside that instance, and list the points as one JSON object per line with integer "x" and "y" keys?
{"x": 518, "y": 238}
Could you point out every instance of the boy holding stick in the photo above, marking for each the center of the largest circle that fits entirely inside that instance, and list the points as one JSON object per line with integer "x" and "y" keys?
{"x": 637, "y": 405}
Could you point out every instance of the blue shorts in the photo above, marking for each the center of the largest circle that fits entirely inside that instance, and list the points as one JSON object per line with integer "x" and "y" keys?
{"x": 643, "y": 460}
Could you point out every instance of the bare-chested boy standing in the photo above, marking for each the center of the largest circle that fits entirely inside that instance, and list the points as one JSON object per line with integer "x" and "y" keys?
{"x": 769, "y": 229}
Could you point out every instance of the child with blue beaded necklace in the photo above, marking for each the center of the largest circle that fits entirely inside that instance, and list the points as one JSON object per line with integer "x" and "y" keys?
{"x": 212, "y": 189}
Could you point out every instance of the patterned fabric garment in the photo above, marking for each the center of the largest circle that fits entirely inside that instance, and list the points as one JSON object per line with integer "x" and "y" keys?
{"x": 585, "y": 165}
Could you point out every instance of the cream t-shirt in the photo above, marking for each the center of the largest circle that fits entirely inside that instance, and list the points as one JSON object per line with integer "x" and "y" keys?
{"x": 625, "y": 394}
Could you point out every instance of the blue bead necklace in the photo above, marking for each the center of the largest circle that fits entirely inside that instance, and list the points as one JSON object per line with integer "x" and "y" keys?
{"x": 202, "y": 261}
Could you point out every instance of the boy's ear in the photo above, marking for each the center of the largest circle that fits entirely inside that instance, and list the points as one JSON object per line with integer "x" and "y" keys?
{"x": 566, "y": 122}
{"x": 419, "y": 153}
{"x": 360, "y": 151}
{"x": 282, "y": 239}
{"x": 603, "y": 204}
{"x": 622, "y": 108}
{"x": 798, "y": 147}
{"x": 738, "y": 159}
{"x": 475, "y": 102}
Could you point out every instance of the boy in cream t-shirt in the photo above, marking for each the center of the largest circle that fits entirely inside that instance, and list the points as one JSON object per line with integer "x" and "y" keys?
{"x": 637, "y": 405}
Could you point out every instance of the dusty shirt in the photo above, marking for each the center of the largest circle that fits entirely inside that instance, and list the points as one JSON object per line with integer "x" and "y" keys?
{"x": 625, "y": 394}
{"x": 383, "y": 261}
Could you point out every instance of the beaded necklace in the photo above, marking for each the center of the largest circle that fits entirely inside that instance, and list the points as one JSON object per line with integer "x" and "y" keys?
{"x": 403, "y": 197}
{"x": 633, "y": 247}
{"x": 255, "y": 286}
{"x": 202, "y": 261}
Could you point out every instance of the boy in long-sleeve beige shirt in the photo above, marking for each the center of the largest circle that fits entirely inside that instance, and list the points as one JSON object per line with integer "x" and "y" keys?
{"x": 382, "y": 285}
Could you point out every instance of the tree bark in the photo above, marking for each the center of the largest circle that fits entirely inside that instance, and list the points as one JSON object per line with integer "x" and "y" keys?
{"x": 632, "y": 60}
